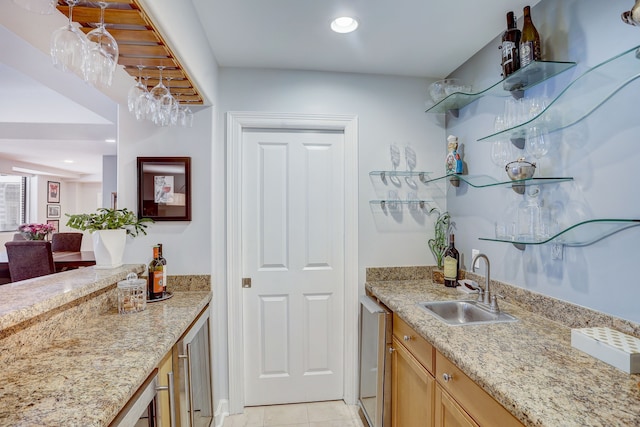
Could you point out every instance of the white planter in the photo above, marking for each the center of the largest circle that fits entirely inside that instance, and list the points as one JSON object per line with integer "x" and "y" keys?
{"x": 108, "y": 247}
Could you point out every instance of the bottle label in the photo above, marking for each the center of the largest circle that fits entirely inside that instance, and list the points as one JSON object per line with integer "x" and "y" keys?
{"x": 158, "y": 284}
{"x": 450, "y": 268}
{"x": 508, "y": 48}
{"x": 526, "y": 53}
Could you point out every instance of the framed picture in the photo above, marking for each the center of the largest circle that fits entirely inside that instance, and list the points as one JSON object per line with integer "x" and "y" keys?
{"x": 55, "y": 223}
{"x": 53, "y": 211}
{"x": 164, "y": 188}
{"x": 53, "y": 192}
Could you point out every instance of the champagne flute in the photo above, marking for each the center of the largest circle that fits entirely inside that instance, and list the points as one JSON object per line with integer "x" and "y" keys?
{"x": 103, "y": 53}
{"x": 69, "y": 46}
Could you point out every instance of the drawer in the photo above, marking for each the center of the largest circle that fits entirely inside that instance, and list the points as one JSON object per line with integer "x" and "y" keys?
{"x": 485, "y": 410}
{"x": 418, "y": 346}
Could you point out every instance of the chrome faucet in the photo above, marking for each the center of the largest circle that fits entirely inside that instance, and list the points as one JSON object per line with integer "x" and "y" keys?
{"x": 487, "y": 287}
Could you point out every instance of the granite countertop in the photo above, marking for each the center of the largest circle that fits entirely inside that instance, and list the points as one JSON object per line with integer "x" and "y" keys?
{"x": 81, "y": 365}
{"x": 528, "y": 366}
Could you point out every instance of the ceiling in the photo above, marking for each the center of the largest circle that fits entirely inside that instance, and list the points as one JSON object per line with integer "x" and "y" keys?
{"x": 424, "y": 38}
{"x": 419, "y": 38}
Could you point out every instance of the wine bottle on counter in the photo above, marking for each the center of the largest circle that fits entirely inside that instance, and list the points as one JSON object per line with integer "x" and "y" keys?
{"x": 164, "y": 267}
{"x": 530, "y": 49}
{"x": 156, "y": 283}
{"x": 510, "y": 47}
{"x": 451, "y": 264}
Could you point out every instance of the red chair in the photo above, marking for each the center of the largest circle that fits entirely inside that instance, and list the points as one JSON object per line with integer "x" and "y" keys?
{"x": 29, "y": 258}
{"x": 66, "y": 242}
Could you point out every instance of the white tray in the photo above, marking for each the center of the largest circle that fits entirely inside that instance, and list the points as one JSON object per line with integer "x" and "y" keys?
{"x": 610, "y": 346}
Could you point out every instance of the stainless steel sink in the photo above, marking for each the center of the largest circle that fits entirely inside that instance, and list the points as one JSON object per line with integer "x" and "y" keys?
{"x": 459, "y": 312}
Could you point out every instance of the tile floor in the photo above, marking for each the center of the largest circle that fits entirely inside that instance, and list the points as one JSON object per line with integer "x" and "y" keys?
{"x": 316, "y": 414}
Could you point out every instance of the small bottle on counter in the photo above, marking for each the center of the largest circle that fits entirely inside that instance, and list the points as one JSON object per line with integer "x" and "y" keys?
{"x": 451, "y": 264}
{"x": 164, "y": 267}
{"x": 530, "y": 49}
{"x": 510, "y": 47}
{"x": 156, "y": 276}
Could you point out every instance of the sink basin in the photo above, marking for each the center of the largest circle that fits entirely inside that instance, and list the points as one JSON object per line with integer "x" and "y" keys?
{"x": 459, "y": 312}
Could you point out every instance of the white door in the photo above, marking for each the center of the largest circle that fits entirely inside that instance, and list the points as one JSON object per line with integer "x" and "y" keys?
{"x": 293, "y": 251}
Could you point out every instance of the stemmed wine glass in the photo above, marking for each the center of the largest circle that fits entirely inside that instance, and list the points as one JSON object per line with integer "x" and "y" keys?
{"x": 538, "y": 143}
{"x": 144, "y": 104}
{"x": 157, "y": 92}
{"x": 69, "y": 46}
{"x": 135, "y": 91}
{"x": 103, "y": 53}
{"x": 185, "y": 116}
{"x": 169, "y": 107}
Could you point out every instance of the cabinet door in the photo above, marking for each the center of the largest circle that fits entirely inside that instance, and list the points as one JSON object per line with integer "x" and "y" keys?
{"x": 165, "y": 369}
{"x": 448, "y": 413}
{"x": 412, "y": 390}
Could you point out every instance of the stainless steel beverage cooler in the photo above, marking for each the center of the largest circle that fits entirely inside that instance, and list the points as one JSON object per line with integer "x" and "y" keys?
{"x": 375, "y": 363}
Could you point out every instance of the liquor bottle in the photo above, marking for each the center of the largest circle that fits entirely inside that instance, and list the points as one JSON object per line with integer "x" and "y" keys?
{"x": 164, "y": 267}
{"x": 156, "y": 283}
{"x": 530, "y": 41}
{"x": 451, "y": 264}
{"x": 510, "y": 47}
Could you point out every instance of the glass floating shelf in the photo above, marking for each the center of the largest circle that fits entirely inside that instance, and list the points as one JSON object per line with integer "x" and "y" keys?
{"x": 580, "y": 98}
{"x": 481, "y": 181}
{"x": 523, "y": 79}
{"x": 581, "y": 234}
{"x": 384, "y": 174}
{"x": 397, "y": 204}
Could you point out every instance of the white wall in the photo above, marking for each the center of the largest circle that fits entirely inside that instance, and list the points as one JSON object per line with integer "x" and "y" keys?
{"x": 599, "y": 152}
{"x": 389, "y": 110}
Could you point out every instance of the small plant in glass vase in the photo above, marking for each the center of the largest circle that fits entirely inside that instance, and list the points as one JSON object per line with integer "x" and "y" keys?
{"x": 438, "y": 244}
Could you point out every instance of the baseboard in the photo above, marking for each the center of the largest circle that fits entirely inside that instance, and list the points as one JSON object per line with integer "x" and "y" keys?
{"x": 222, "y": 412}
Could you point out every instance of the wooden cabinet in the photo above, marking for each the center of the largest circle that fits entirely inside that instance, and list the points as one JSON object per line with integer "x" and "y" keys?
{"x": 412, "y": 382}
{"x": 427, "y": 389}
{"x": 476, "y": 402}
{"x": 448, "y": 413}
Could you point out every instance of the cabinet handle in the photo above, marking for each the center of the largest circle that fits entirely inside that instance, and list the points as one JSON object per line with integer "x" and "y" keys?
{"x": 447, "y": 377}
{"x": 189, "y": 377}
{"x": 406, "y": 338}
{"x": 172, "y": 399}
{"x": 391, "y": 350}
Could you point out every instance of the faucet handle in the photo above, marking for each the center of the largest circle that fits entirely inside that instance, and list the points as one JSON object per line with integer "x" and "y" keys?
{"x": 493, "y": 306}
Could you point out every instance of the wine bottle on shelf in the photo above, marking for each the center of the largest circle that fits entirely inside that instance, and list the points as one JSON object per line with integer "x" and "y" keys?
{"x": 451, "y": 264}
{"x": 530, "y": 49}
{"x": 510, "y": 47}
{"x": 164, "y": 267}
{"x": 156, "y": 283}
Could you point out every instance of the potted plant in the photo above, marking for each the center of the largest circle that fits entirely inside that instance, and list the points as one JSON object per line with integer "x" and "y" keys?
{"x": 35, "y": 231}
{"x": 109, "y": 229}
{"x": 438, "y": 244}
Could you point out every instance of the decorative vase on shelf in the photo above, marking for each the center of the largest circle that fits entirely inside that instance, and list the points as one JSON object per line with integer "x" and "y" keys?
{"x": 108, "y": 247}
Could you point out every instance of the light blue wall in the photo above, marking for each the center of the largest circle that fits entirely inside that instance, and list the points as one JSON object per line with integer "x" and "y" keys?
{"x": 601, "y": 152}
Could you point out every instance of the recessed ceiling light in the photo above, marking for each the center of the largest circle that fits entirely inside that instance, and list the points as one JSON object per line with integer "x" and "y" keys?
{"x": 110, "y": 140}
{"x": 344, "y": 24}
{"x": 68, "y": 161}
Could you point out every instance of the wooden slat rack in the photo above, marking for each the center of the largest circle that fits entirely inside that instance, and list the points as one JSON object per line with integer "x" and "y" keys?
{"x": 139, "y": 43}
